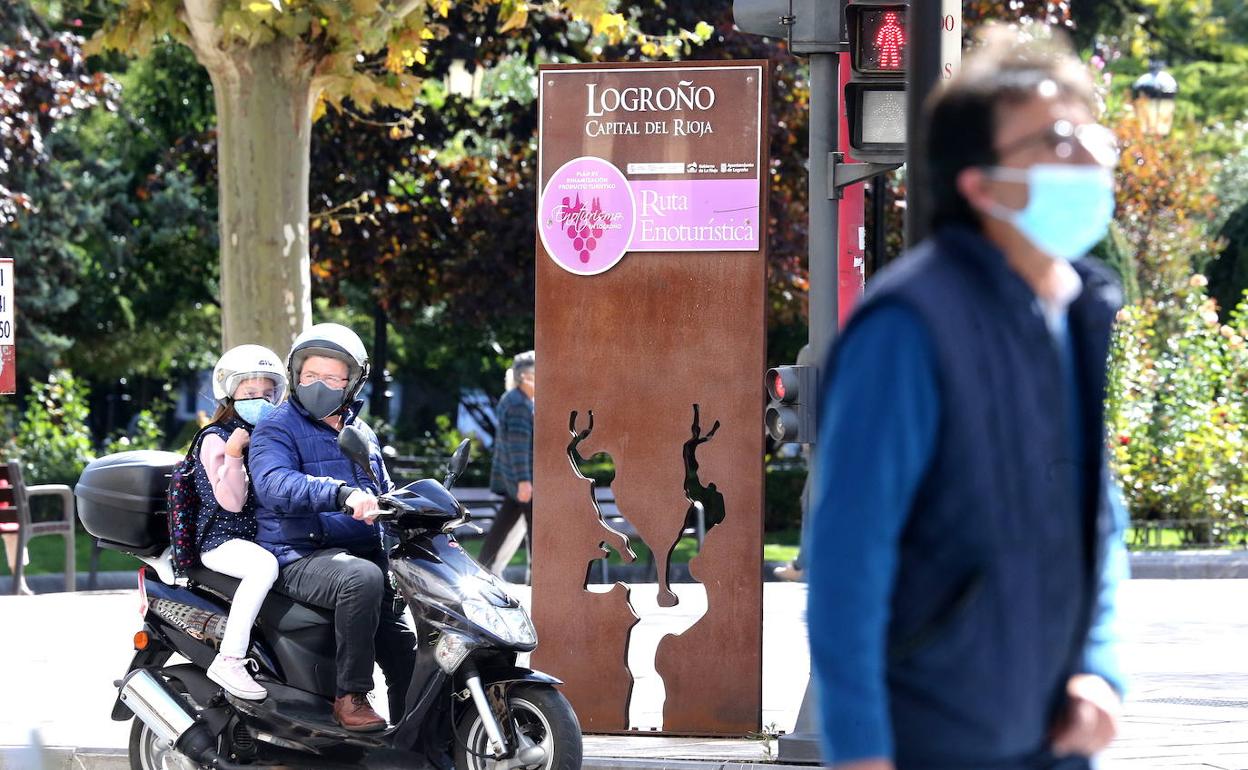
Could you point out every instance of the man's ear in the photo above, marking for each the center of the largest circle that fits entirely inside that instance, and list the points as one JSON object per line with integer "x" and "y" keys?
{"x": 972, "y": 183}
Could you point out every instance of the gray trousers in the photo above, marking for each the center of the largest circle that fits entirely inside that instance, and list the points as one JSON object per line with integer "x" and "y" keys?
{"x": 368, "y": 626}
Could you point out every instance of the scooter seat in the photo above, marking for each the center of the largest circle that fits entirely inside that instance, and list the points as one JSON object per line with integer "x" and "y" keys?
{"x": 279, "y": 612}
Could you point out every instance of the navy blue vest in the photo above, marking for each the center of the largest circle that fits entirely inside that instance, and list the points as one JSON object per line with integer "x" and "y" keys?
{"x": 997, "y": 558}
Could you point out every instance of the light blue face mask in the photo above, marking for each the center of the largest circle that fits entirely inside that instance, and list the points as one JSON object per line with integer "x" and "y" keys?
{"x": 252, "y": 410}
{"x": 1069, "y": 207}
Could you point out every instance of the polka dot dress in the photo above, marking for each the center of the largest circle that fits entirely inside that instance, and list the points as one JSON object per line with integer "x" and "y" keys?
{"x": 215, "y": 525}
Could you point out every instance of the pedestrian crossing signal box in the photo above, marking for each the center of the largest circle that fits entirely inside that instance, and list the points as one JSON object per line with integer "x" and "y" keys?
{"x": 875, "y": 96}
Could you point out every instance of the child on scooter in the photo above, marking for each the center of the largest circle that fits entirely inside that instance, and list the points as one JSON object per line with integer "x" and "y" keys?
{"x": 247, "y": 382}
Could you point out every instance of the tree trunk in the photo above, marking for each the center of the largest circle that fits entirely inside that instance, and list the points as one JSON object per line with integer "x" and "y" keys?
{"x": 264, "y": 102}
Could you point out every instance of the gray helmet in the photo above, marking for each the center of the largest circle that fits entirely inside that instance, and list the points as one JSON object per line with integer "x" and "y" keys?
{"x": 332, "y": 341}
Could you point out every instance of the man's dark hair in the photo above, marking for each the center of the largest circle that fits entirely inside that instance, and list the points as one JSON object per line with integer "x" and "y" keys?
{"x": 1007, "y": 70}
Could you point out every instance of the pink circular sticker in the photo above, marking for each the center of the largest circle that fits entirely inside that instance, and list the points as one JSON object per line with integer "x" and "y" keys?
{"x": 586, "y": 216}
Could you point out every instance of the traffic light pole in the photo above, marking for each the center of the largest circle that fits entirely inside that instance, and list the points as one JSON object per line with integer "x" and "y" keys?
{"x": 823, "y": 250}
{"x": 823, "y": 244}
{"x": 923, "y": 72}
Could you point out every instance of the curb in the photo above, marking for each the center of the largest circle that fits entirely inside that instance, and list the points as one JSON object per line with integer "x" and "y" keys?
{"x": 63, "y": 758}
{"x": 1167, "y": 565}
{"x": 622, "y": 763}
{"x": 1148, "y": 565}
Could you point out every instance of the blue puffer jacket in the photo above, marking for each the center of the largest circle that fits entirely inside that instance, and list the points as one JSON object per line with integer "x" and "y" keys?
{"x": 296, "y": 469}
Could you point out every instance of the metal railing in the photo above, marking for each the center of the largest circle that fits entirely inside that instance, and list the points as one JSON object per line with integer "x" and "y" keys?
{"x": 1183, "y": 534}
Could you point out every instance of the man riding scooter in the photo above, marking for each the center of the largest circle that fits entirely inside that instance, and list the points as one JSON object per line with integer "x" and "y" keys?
{"x": 316, "y": 514}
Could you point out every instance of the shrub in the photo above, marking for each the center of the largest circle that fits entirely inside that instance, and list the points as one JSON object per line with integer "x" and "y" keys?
{"x": 1178, "y": 414}
{"x": 52, "y": 438}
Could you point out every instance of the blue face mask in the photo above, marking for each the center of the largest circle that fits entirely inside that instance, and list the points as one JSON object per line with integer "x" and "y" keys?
{"x": 1069, "y": 207}
{"x": 252, "y": 410}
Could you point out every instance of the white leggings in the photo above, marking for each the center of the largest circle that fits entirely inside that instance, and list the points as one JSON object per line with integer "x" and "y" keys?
{"x": 257, "y": 569}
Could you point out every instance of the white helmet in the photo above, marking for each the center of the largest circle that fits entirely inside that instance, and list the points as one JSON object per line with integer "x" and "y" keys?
{"x": 332, "y": 341}
{"x": 244, "y": 363}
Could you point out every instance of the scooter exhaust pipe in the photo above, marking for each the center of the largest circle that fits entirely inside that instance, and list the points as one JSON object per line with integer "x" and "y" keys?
{"x": 165, "y": 712}
{"x": 154, "y": 701}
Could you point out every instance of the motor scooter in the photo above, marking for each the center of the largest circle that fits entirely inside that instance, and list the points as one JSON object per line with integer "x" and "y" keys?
{"x": 469, "y": 706}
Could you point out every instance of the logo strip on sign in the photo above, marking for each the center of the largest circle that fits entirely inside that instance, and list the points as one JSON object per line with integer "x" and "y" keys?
{"x": 644, "y": 136}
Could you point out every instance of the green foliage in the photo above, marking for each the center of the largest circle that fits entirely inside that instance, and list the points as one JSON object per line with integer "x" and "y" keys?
{"x": 1166, "y": 205}
{"x": 51, "y": 436}
{"x": 43, "y": 82}
{"x": 365, "y": 51}
{"x": 783, "y": 508}
{"x": 1228, "y": 274}
{"x": 1178, "y": 413}
{"x": 147, "y": 433}
{"x": 431, "y": 451}
{"x": 52, "y": 439}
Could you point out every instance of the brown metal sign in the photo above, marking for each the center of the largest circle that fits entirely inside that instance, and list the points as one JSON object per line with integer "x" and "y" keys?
{"x": 651, "y": 341}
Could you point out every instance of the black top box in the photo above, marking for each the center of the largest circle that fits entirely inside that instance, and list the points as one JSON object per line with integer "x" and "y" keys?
{"x": 121, "y": 500}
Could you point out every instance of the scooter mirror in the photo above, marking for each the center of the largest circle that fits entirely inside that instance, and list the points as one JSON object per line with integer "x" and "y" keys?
{"x": 457, "y": 464}
{"x": 354, "y": 445}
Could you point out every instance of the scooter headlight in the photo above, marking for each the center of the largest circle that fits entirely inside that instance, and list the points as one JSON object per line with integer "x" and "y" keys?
{"x": 511, "y": 624}
{"x": 451, "y": 650}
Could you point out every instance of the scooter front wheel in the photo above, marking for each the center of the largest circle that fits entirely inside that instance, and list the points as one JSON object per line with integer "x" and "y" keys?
{"x": 543, "y": 718}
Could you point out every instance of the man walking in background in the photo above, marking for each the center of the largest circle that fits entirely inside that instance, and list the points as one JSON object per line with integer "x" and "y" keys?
{"x": 511, "y": 474}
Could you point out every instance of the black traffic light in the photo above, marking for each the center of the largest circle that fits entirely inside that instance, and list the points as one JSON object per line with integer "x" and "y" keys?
{"x": 791, "y": 413}
{"x": 875, "y": 96}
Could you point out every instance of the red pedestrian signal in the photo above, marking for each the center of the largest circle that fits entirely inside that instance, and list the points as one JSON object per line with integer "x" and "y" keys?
{"x": 875, "y": 96}
{"x": 883, "y": 34}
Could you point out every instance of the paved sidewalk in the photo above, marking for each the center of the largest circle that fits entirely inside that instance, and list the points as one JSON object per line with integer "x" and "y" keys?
{"x": 1185, "y": 651}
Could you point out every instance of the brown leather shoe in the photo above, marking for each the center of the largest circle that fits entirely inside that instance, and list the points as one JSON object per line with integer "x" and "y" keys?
{"x": 354, "y": 712}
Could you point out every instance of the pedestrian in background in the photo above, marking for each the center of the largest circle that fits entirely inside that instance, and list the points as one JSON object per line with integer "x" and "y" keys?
{"x": 511, "y": 472}
{"x": 967, "y": 541}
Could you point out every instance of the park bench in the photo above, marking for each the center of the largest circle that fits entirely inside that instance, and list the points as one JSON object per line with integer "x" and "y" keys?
{"x": 484, "y": 505}
{"x": 19, "y": 526}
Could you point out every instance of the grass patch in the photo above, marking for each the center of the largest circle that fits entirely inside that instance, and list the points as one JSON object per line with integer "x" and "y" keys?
{"x": 47, "y": 554}
{"x": 1173, "y": 539}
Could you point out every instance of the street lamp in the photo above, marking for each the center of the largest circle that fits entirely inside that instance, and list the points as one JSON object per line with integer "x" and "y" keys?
{"x": 1152, "y": 95}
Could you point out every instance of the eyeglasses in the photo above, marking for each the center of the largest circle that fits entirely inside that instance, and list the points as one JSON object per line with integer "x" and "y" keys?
{"x": 332, "y": 380}
{"x": 1064, "y": 138}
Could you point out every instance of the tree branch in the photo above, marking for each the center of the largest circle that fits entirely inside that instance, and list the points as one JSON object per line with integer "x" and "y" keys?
{"x": 387, "y": 18}
{"x": 401, "y": 11}
{"x": 202, "y": 19}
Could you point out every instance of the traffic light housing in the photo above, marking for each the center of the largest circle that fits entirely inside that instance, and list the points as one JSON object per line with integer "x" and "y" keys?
{"x": 790, "y": 414}
{"x": 875, "y": 97}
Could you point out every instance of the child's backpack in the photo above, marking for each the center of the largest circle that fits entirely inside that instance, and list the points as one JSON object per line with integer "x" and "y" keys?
{"x": 182, "y": 504}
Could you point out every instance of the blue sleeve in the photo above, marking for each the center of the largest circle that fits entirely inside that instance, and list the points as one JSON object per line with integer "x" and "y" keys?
{"x": 1100, "y": 654}
{"x": 877, "y": 431}
{"x": 280, "y": 485}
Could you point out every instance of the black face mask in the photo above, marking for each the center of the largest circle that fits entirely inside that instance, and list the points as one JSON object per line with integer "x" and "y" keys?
{"x": 319, "y": 399}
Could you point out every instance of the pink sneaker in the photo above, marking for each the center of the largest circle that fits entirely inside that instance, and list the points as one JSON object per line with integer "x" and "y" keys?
{"x": 231, "y": 674}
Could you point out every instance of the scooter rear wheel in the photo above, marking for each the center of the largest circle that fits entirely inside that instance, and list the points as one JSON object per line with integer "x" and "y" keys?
{"x": 542, "y": 715}
{"x": 148, "y": 752}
